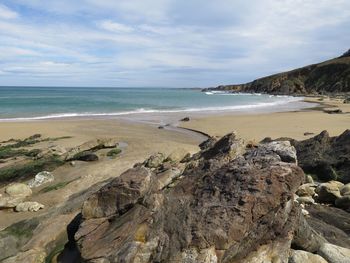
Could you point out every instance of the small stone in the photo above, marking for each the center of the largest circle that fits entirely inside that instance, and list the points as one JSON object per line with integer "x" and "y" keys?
{"x": 306, "y": 190}
{"x": 29, "y": 206}
{"x": 72, "y": 163}
{"x": 185, "y": 119}
{"x": 41, "y": 178}
{"x": 18, "y": 190}
{"x": 306, "y": 200}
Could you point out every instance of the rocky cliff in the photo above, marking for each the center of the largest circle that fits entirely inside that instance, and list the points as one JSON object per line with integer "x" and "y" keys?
{"x": 230, "y": 202}
{"x": 332, "y": 76}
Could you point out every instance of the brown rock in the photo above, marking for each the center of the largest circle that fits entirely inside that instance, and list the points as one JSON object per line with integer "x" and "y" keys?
{"x": 224, "y": 208}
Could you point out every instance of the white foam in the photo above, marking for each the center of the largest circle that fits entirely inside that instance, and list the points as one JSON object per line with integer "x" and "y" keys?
{"x": 284, "y": 101}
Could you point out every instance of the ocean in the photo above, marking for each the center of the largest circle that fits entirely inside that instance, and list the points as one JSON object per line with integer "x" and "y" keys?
{"x": 36, "y": 103}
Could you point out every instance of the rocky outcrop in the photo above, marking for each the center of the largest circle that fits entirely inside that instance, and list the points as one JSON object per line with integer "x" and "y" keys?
{"x": 332, "y": 76}
{"x": 90, "y": 146}
{"x": 324, "y": 156}
{"x": 230, "y": 204}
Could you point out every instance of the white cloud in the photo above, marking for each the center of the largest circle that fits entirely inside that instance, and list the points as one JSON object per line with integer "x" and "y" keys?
{"x": 154, "y": 41}
{"x": 7, "y": 13}
{"x": 115, "y": 27}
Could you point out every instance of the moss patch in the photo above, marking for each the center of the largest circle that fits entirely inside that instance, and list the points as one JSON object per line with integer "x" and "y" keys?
{"x": 114, "y": 152}
{"x": 29, "y": 169}
{"x": 57, "y": 186}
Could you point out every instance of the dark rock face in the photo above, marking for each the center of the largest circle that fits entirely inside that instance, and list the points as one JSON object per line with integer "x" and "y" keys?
{"x": 332, "y": 76}
{"x": 325, "y": 156}
{"x": 230, "y": 204}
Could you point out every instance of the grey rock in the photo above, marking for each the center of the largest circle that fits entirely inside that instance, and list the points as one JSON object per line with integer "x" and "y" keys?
{"x": 29, "y": 207}
{"x": 334, "y": 254}
{"x": 18, "y": 190}
{"x": 41, "y": 178}
{"x": 306, "y": 200}
{"x": 300, "y": 256}
{"x": 328, "y": 192}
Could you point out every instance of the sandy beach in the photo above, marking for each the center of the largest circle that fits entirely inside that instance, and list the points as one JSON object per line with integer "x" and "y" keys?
{"x": 142, "y": 140}
{"x": 280, "y": 124}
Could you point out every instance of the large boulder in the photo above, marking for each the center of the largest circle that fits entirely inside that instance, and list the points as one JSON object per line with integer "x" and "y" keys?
{"x": 231, "y": 204}
{"x": 300, "y": 256}
{"x": 326, "y": 157}
{"x": 328, "y": 192}
{"x": 41, "y": 178}
{"x": 335, "y": 254}
{"x": 331, "y": 222}
{"x": 18, "y": 190}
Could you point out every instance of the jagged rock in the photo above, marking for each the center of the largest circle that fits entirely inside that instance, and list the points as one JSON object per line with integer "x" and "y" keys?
{"x": 30, "y": 256}
{"x": 229, "y": 146}
{"x": 208, "y": 143}
{"x": 92, "y": 145}
{"x": 345, "y": 190}
{"x": 300, "y": 256}
{"x": 41, "y": 178}
{"x": 185, "y": 119}
{"x": 284, "y": 149}
{"x": 232, "y": 205}
{"x": 328, "y": 192}
{"x": 343, "y": 202}
{"x": 306, "y": 190}
{"x": 334, "y": 254}
{"x": 29, "y": 207}
{"x": 18, "y": 190}
{"x": 120, "y": 195}
{"x": 306, "y": 200}
{"x": 326, "y": 157}
{"x": 155, "y": 160}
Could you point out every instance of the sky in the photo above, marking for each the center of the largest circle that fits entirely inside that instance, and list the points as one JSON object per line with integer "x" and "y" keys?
{"x": 172, "y": 43}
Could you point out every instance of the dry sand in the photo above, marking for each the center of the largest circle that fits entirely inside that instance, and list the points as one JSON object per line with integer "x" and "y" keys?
{"x": 255, "y": 127}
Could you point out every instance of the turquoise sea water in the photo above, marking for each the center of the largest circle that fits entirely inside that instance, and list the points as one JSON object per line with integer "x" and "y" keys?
{"x": 25, "y": 103}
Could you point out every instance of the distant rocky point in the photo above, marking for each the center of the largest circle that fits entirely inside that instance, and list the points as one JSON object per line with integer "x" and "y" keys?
{"x": 329, "y": 77}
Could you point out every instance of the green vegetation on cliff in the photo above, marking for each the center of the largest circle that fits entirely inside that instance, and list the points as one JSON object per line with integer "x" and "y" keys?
{"x": 332, "y": 76}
